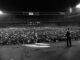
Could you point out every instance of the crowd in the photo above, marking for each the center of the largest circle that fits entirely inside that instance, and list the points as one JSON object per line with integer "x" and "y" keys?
{"x": 26, "y": 36}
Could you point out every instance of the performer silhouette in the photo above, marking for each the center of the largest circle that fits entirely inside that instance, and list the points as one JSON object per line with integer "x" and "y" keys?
{"x": 68, "y": 38}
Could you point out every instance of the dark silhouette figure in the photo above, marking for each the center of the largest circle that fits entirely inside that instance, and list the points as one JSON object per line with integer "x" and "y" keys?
{"x": 68, "y": 38}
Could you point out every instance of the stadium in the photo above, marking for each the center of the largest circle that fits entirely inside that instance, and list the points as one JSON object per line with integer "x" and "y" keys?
{"x": 36, "y": 36}
{"x": 39, "y": 30}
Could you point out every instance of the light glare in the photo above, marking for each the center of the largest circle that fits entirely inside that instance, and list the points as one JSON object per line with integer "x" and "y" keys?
{"x": 38, "y": 45}
{"x": 31, "y": 13}
{"x": 70, "y": 10}
{"x": 1, "y": 12}
{"x": 78, "y": 6}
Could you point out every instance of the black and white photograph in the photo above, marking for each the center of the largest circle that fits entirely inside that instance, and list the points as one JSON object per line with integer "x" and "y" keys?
{"x": 39, "y": 30}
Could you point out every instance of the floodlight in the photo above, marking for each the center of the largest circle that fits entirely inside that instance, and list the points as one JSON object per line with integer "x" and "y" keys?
{"x": 1, "y": 12}
{"x": 78, "y": 5}
{"x": 31, "y": 13}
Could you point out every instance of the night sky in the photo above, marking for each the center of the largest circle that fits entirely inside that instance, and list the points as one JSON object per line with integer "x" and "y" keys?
{"x": 41, "y": 6}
